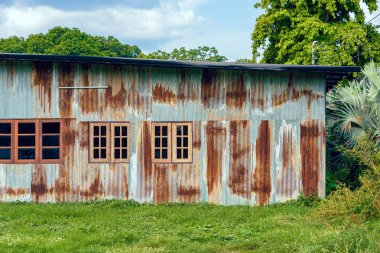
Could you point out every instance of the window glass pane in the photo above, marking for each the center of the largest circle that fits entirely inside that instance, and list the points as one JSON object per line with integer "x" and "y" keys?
{"x": 5, "y": 141}
{"x": 26, "y": 128}
{"x": 164, "y": 154}
{"x": 185, "y": 154}
{"x": 179, "y": 153}
{"x": 117, "y": 130}
{"x": 185, "y": 142}
{"x": 157, "y": 142}
{"x": 96, "y": 142}
{"x": 26, "y": 141}
{"x": 50, "y": 153}
{"x": 103, "y": 130}
{"x": 50, "y": 140}
{"x": 124, "y": 154}
{"x": 179, "y": 130}
{"x": 103, "y": 153}
{"x": 157, "y": 131}
{"x": 26, "y": 153}
{"x": 96, "y": 153}
{"x": 5, "y": 128}
{"x": 185, "y": 130}
{"x": 164, "y": 142}
{"x": 117, "y": 153}
{"x": 96, "y": 131}
{"x": 125, "y": 131}
{"x": 157, "y": 153}
{"x": 5, "y": 154}
{"x": 179, "y": 142}
{"x": 104, "y": 142}
{"x": 50, "y": 128}
{"x": 124, "y": 142}
{"x": 117, "y": 142}
{"x": 164, "y": 131}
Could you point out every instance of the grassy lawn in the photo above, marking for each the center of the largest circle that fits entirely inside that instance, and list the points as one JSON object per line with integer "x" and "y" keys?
{"x": 117, "y": 226}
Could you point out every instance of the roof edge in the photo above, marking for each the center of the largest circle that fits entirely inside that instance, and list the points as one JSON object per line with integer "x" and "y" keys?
{"x": 179, "y": 64}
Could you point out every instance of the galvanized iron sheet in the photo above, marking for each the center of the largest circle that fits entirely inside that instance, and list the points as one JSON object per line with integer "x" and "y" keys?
{"x": 258, "y": 137}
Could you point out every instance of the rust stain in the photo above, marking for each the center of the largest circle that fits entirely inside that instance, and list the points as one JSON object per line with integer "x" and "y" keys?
{"x": 42, "y": 76}
{"x": 84, "y": 135}
{"x": 197, "y": 144}
{"x": 216, "y": 135}
{"x": 188, "y": 192}
{"x": 39, "y": 187}
{"x": 164, "y": 95}
{"x": 287, "y": 172}
{"x": 236, "y": 95}
{"x": 186, "y": 89}
{"x": 96, "y": 188}
{"x": 116, "y": 94}
{"x": 262, "y": 175}
{"x": 258, "y": 95}
{"x": 88, "y": 98}
{"x": 161, "y": 186}
{"x": 209, "y": 87}
{"x": 66, "y": 79}
{"x": 17, "y": 191}
{"x": 310, "y": 134}
{"x": 292, "y": 94}
{"x": 240, "y": 148}
{"x": 145, "y": 159}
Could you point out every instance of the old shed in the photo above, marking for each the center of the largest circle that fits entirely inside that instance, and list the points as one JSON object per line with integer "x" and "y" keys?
{"x": 78, "y": 128}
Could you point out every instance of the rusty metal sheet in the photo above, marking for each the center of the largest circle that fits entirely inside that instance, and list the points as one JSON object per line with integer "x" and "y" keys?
{"x": 258, "y": 137}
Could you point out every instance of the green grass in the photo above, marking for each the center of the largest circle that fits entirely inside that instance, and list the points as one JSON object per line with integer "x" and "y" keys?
{"x": 117, "y": 226}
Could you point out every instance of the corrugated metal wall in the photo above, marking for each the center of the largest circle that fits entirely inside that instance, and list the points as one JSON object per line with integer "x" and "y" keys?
{"x": 258, "y": 137}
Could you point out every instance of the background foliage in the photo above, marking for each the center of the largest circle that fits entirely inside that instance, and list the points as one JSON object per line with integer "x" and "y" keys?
{"x": 286, "y": 31}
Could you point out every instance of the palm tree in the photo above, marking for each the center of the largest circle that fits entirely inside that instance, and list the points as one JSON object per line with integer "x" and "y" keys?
{"x": 354, "y": 109}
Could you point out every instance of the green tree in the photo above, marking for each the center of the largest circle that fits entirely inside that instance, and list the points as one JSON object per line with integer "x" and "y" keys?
{"x": 286, "y": 31}
{"x": 197, "y": 54}
{"x": 68, "y": 41}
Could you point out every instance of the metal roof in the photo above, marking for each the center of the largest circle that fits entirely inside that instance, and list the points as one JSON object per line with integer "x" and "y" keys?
{"x": 333, "y": 73}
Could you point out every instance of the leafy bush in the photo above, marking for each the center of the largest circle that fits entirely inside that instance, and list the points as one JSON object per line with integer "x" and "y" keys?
{"x": 364, "y": 202}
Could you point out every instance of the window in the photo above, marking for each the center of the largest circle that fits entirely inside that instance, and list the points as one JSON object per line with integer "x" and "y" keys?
{"x": 161, "y": 142}
{"x": 6, "y": 142}
{"x": 182, "y": 144}
{"x": 172, "y": 142}
{"x": 30, "y": 141}
{"x": 109, "y": 142}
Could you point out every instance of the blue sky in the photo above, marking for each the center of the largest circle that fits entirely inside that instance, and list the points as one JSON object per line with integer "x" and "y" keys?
{"x": 150, "y": 24}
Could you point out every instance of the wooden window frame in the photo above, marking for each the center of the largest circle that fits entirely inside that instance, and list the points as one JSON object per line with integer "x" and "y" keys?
{"x": 113, "y": 148}
{"x": 9, "y": 161}
{"x": 37, "y": 145}
{"x": 189, "y": 146}
{"x": 161, "y": 160}
{"x": 51, "y": 161}
{"x": 36, "y": 141}
{"x": 172, "y": 145}
{"x": 110, "y": 135}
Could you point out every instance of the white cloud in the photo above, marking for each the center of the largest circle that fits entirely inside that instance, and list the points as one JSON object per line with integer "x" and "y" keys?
{"x": 171, "y": 19}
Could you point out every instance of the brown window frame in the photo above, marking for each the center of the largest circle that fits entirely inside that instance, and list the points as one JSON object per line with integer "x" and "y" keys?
{"x": 41, "y": 147}
{"x": 172, "y": 145}
{"x": 121, "y": 137}
{"x": 110, "y": 147}
{"x": 11, "y": 160}
{"x": 189, "y": 147}
{"x": 169, "y": 143}
{"x": 37, "y": 145}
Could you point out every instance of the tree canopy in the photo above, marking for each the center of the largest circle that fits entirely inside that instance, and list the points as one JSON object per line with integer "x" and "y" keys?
{"x": 71, "y": 41}
{"x": 286, "y": 31}
{"x": 197, "y": 54}
{"x": 68, "y": 41}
